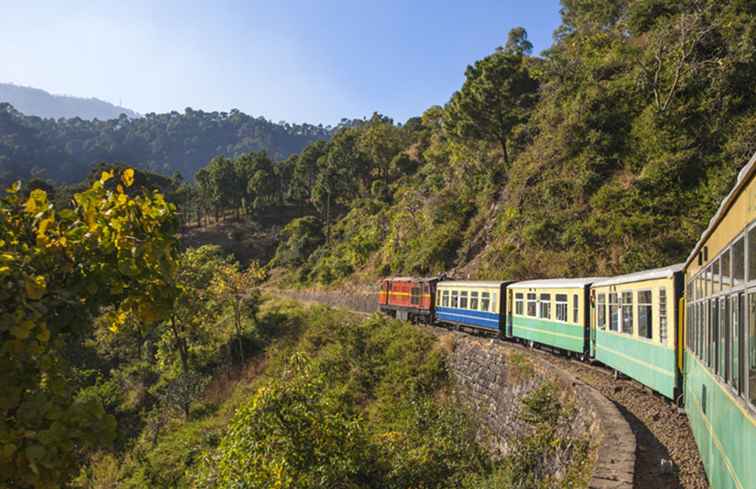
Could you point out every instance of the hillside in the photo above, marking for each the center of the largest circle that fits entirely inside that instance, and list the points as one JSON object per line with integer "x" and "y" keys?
{"x": 607, "y": 154}
{"x": 65, "y": 150}
{"x": 39, "y": 103}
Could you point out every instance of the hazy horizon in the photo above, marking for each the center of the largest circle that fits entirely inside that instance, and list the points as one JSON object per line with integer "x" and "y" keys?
{"x": 289, "y": 61}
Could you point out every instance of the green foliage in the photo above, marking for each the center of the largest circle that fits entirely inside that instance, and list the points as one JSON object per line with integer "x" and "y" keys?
{"x": 356, "y": 405}
{"x": 58, "y": 268}
{"x": 298, "y": 240}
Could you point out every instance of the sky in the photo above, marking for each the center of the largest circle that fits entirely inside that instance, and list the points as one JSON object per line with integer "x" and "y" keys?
{"x": 299, "y": 61}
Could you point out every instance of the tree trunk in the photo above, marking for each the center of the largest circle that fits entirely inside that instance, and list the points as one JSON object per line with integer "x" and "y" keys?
{"x": 237, "y": 318}
{"x": 180, "y": 346}
{"x": 503, "y": 142}
{"x": 328, "y": 218}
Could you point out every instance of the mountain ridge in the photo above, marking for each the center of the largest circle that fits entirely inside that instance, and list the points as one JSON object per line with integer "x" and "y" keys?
{"x": 38, "y": 102}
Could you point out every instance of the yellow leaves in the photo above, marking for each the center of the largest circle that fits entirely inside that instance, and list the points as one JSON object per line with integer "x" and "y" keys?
{"x": 14, "y": 187}
{"x": 105, "y": 176}
{"x": 128, "y": 177}
{"x": 37, "y": 201}
{"x": 35, "y": 287}
{"x": 118, "y": 321}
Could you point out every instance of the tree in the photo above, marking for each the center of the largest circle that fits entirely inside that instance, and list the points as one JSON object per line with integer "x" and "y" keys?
{"x": 498, "y": 95}
{"x": 194, "y": 308}
{"x": 380, "y": 140}
{"x": 517, "y": 42}
{"x": 292, "y": 435}
{"x": 58, "y": 268}
{"x": 235, "y": 288}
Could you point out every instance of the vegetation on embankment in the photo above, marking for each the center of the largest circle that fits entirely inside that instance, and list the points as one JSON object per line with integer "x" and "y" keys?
{"x": 332, "y": 399}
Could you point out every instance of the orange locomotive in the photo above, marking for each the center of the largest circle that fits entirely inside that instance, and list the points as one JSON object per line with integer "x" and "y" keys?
{"x": 408, "y": 298}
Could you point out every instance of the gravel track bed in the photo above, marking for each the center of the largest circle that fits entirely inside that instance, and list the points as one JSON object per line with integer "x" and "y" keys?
{"x": 667, "y": 456}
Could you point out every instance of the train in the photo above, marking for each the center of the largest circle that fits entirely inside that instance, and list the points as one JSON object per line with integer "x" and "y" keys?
{"x": 685, "y": 331}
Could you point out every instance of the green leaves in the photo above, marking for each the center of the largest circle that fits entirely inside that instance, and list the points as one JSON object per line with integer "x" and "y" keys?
{"x": 57, "y": 269}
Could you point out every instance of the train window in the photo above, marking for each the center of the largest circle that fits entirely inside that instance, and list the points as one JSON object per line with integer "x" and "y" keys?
{"x": 463, "y": 299}
{"x": 445, "y": 298}
{"x": 735, "y": 336}
{"x": 415, "y": 296}
{"x": 575, "y": 309}
{"x": 454, "y": 298}
{"x": 699, "y": 287}
{"x": 738, "y": 262}
{"x": 627, "y": 312}
{"x": 645, "y": 317}
{"x": 713, "y": 334}
{"x": 485, "y": 301}
{"x": 493, "y": 302}
{"x": 723, "y": 352}
{"x": 736, "y": 313}
{"x": 532, "y": 305}
{"x": 613, "y": 312}
{"x": 474, "y": 300}
{"x": 751, "y": 358}
{"x": 519, "y": 304}
{"x": 561, "y": 307}
{"x": 663, "y": 328}
{"x": 751, "y": 259}
{"x": 725, "y": 268}
{"x": 545, "y": 306}
{"x": 707, "y": 282}
{"x": 699, "y": 331}
{"x": 716, "y": 277}
{"x": 601, "y": 311}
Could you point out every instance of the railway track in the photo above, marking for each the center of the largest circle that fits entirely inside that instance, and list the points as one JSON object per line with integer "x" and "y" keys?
{"x": 666, "y": 453}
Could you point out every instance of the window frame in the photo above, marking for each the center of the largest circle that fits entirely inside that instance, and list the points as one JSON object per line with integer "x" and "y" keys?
{"x": 576, "y": 308}
{"x": 629, "y": 308}
{"x": 485, "y": 301}
{"x": 544, "y": 305}
{"x": 601, "y": 319}
{"x": 531, "y": 300}
{"x": 519, "y": 301}
{"x": 561, "y": 307}
{"x": 650, "y": 305}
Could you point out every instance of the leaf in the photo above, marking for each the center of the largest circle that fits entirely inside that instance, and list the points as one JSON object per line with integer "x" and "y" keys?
{"x": 128, "y": 177}
{"x": 106, "y": 175}
{"x": 35, "y": 287}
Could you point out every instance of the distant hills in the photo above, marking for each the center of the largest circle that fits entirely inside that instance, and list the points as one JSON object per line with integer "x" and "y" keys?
{"x": 37, "y": 102}
{"x": 66, "y": 149}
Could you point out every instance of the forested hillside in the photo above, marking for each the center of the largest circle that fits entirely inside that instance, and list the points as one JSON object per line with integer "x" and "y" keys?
{"x": 36, "y": 102}
{"x": 607, "y": 154}
{"x": 64, "y": 150}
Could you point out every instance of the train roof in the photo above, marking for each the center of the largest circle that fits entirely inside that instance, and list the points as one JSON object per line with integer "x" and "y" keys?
{"x": 556, "y": 283}
{"x": 743, "y": 178}
{"x": 656, "y": 273}
{"x": 410, "y": 279}
{"x": 471, "y": 283}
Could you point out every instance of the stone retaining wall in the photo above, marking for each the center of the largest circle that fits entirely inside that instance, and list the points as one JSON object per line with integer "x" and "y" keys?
{"x": 492, "y": 378}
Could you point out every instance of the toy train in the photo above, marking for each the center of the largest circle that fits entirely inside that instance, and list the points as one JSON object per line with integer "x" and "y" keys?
{"x": 686, "y": 331}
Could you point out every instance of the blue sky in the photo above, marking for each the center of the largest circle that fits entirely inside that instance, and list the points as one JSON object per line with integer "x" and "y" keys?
{"x": 286, "y": 60}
